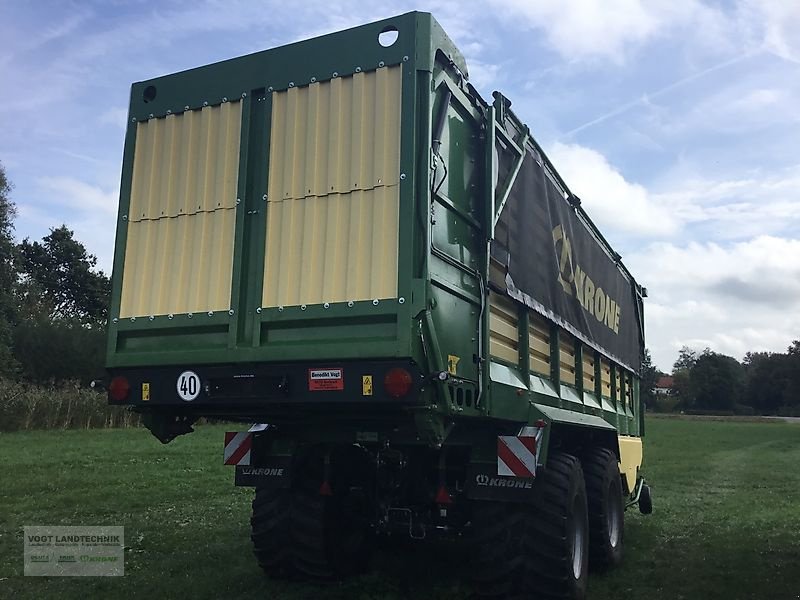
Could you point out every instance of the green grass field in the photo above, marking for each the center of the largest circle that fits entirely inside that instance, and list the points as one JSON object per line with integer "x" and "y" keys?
{"x": 726, "y": 522}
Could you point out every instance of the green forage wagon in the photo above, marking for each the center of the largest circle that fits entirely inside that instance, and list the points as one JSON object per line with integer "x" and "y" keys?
{"x": 341, "y": 241}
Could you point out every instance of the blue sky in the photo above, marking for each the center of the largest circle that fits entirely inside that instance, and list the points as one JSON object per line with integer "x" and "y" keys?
{"x": 677, "y": 122}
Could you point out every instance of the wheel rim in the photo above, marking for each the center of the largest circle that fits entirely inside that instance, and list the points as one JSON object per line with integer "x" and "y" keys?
{"x": 613, "y": 521}
{"x": 578, "y": 539}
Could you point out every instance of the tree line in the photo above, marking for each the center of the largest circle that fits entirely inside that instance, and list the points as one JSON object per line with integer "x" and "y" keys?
{"x": 764, "y": 383}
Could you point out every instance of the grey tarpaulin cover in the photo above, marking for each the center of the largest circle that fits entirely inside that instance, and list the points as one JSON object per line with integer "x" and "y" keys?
{"x": 555, "y": 265}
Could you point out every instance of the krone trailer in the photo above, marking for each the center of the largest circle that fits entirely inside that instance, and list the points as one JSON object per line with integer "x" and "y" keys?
{"x": 342, "y": 242}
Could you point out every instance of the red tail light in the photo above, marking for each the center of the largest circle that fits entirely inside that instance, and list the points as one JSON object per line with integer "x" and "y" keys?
{"x": 397, "y": 382}
{"x": 442, "y": 496}
{"x": 325, "y": 489}
{"x": 119, "y": 388}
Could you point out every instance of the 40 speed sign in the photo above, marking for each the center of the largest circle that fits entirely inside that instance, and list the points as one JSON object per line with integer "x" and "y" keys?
{"x": 188, "y": 386}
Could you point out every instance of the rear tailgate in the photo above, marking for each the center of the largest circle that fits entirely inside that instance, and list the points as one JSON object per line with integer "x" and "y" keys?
{"x": 260, "y": 208}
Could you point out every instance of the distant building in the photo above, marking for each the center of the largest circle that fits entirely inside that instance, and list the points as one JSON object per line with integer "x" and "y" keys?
{"x": 664, "y": 386}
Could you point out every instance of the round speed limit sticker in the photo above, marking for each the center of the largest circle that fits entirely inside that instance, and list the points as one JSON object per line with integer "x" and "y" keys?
{"x": 188, "y": 386}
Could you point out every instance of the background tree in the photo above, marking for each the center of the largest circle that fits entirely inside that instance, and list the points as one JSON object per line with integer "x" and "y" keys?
{"x": 64, "y": 305}
{"x": 57, "y": 351}
{"x": 768, "y": 375}
{"x": 8, "y": 276}
{"x": 59, "y": 280}
{"x": 649, "y": 377}
{"x": 716, "y": 382}
{"x": 681, "y": 371}
{"x": 792, "y": 396}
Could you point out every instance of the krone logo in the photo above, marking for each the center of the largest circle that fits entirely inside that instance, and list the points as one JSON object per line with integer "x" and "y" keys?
{"x": 574, "y": 281}
{"x": 566, "y": 274}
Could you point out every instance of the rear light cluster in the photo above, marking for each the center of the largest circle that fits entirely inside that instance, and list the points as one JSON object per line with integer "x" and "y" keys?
{"x": 119, "y": 389}
{"x": 398, "y": 382}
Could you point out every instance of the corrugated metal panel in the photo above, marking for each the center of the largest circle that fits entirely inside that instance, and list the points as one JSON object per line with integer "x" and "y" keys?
{"x": 334, "y": 174}
{"x": 186, "y": 163}
{"x": 503, "y": 329}
{"x": 539, "y": 344}
{"x": 182, "y": 214}
{"x": 605, "y": 377}
{"x": 588, "y": 371}
{"x": 566, "y": 353}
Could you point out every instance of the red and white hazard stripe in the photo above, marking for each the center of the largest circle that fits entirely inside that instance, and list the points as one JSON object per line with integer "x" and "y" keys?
{"x": 516, "y": 455}
{"x": 237, "y": 447}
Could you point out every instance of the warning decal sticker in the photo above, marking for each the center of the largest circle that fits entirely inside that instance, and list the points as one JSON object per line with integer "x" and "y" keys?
{"x": 325, "y": 380}
{"x": 366, "y": 385}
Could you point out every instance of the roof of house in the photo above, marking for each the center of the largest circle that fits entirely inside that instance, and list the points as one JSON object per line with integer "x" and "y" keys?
{"x": 664, "y": 382}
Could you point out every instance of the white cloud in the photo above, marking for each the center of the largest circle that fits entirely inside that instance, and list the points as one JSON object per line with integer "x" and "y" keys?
{"x": 89, "y": 210}
{"x": 753, "y": 204}
{"x": 613, "y": 202}
{"x": 777, "y": 23}
{"x": 483, "y": 75}
{"x": 742, "y": 106}
{"x": 606, "y": 29}
{"x": 732, "y": 298}
{"x": 116, "y": 116}
{"x": 80, "y": 196}
{"x": 756, "y": 203}
{"x": 767, "y": 267}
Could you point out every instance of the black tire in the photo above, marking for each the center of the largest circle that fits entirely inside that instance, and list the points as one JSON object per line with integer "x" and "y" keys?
{"x": 606, "y": 508}
{"x": 270, "y": 527}
{"x": 646, "y": 500}
{"x": 538, "y": 550}
{"x": 298, "y": 532}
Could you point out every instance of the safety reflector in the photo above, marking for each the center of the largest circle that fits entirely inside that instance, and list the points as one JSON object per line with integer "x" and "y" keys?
{"x": 237, "y": 448}
{"x": 516, "y": 456}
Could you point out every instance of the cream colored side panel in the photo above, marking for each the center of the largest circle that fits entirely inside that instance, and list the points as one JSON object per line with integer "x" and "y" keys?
{"x": 630, "y": 451}
{"x": 333, "y": 198}
{"x": 503, "y": 329}
{"x": 588, "y": 371}
{"x": 182, "y": 213}
{"x": 566, "y": 353}
{"x": 539, "y": 344}
{"x": 605, "y": 376}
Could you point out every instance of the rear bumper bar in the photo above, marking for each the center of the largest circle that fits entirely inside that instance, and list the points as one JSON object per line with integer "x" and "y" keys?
{"x": 248, "y": 386}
